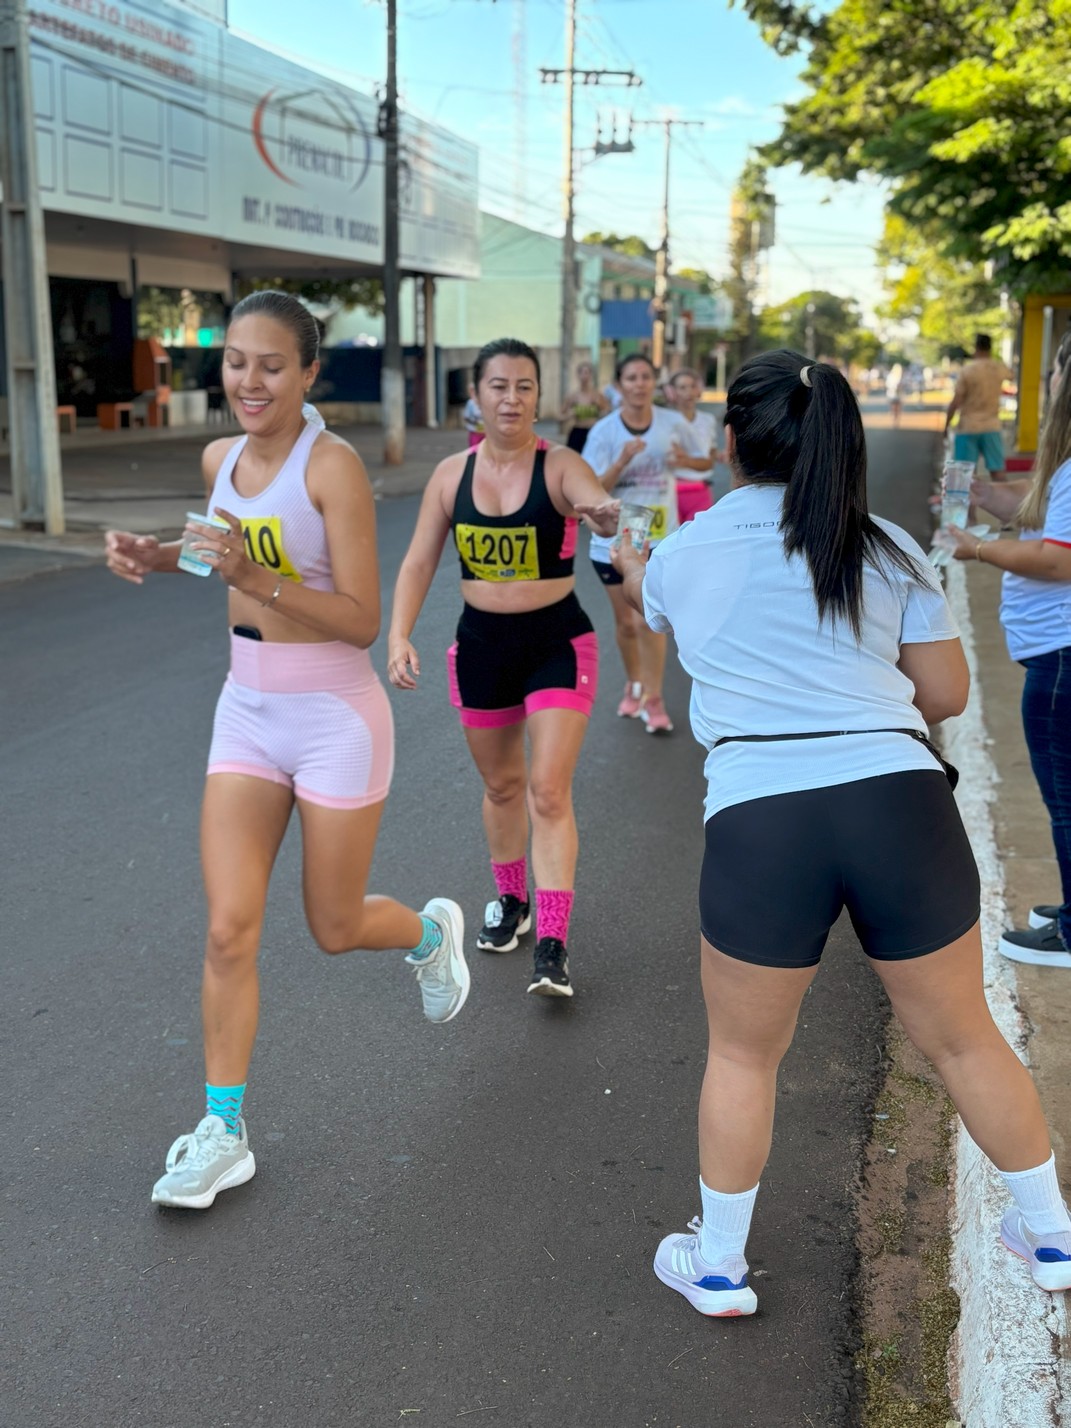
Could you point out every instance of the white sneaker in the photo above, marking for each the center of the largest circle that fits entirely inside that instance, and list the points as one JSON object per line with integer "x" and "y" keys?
{"x": 1049, "y": 1256}
{"x": 443, "y": 975}
{"x": 717, "y": 1290}
{"x": 200, "y": 1165}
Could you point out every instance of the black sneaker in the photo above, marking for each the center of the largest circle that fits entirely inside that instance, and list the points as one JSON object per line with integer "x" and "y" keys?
{"x": 505, "y": 919}
{"x": 1040, "y": 946}
{"x": 1043, "y": 914}
{"x": 550, "y": 975}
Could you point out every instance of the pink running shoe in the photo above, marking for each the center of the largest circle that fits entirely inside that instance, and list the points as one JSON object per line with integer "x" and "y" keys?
{"x": 631, "y": 703}
{"x": 653, "y": 713}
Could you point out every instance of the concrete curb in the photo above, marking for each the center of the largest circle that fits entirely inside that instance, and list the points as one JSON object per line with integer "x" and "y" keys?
{"x": 1005, "y": 1362}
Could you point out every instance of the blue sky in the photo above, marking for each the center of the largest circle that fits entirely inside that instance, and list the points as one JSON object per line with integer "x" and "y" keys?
{"x": 460, "y": 61}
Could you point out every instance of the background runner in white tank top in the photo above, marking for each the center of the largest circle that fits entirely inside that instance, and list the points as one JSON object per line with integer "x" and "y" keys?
{"x": 648, "y": 479}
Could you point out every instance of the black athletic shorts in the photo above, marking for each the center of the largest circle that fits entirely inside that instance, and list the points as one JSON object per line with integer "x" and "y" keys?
{"x": 606, "y": 572}
{"x": 504, "y": 667}
{"x": 778, "y": 871}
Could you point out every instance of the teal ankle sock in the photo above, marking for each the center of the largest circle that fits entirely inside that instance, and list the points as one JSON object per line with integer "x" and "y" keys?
{"x": 431, "y": 941}
{"x": 225, "y": 1102}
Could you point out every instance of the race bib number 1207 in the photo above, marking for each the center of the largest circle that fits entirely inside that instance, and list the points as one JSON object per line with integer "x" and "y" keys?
{"x": 498, "y": 552}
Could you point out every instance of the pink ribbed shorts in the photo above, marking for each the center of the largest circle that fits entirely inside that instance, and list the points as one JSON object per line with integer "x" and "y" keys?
{"x": 313, "y": 717}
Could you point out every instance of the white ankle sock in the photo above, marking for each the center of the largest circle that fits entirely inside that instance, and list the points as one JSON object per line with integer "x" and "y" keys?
{"x": 1037, "y": 1194}
{"x": 726, "y": 1221}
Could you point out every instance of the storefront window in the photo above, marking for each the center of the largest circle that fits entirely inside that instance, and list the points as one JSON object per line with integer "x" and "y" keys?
{"x": 181, "y": 317}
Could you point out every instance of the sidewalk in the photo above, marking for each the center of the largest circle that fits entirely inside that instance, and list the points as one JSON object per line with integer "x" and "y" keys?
{"x": 1010, "y": 1358}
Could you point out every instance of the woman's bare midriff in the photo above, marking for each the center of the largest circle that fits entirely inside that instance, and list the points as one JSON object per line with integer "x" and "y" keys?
{"x": 274, "y": 628}
{"x": 518, "y": 598}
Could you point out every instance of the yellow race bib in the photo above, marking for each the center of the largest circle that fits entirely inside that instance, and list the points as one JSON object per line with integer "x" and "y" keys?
{"x": 658, "y": 522}
{"x": 498, "y": 552}
{"x": 264, "y": 544}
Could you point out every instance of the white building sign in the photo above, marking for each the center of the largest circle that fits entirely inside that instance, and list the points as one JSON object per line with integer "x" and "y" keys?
{"x": 151, "y": 114}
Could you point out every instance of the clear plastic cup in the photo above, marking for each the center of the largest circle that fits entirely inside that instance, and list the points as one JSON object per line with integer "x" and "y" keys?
{"x": 637, "y": 521}
{"x": 191, "y": 560}
{"x": 956, "y": 477}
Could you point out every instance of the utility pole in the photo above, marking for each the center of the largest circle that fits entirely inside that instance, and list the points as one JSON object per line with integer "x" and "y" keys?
{"x": 661, "y": 297}
{"x": 36, "y": 478}
{"x": 392, "y": 376}
{"x": 587, "y": 76}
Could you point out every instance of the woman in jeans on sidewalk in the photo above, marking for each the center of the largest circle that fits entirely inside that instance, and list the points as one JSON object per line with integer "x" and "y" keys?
{"x": 1035, "y": 611}
{"x": 820, "y": 644}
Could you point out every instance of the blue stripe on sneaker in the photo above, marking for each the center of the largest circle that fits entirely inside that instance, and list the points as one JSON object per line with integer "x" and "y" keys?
{"x": 721, "y": 1281}
{"x": 1048, "y": 1255}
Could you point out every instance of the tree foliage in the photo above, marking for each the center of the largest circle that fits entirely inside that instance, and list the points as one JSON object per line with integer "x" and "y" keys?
{"x": 631, "y": 245}
{"x": 819, "y": 323}
{"x": 964, "y": 106}
{"x": 345, "y": 293}
{"x": 951, "y": 300}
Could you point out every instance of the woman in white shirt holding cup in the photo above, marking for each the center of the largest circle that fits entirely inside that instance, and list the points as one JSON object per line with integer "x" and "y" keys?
{"x": 820, "y": 646}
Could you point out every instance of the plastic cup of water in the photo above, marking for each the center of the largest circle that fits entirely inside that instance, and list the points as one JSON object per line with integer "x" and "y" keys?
{"x": 190, "y": 560}
{"x": 637, "y": 521}
{"x": 956, "y": 478}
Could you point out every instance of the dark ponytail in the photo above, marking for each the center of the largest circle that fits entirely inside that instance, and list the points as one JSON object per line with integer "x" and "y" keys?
{"x": 797, "y": 424}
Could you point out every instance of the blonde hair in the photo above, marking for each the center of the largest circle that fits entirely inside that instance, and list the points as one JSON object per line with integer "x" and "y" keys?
{"x": 1054, "y": 448}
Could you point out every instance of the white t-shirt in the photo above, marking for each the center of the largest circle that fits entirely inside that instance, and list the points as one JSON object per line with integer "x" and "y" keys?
{"x": 1036, "y": 614}
{"x": 648, "y": 479}
{"x": 705, "y": 430}
{"x": 746, "y": 625}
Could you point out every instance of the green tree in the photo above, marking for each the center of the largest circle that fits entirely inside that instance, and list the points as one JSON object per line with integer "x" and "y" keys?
{"x": 344, "y": 293}
{"x": 964, "y": 106}
{"x": 951, "y": 300}
{"x": 817, "y": 323}
{"x": 699, "y": 276}
{"x": 632, "y": 246}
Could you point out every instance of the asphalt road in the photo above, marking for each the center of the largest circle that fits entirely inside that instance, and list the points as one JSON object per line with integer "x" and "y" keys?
{"x": 448, "y": 1225}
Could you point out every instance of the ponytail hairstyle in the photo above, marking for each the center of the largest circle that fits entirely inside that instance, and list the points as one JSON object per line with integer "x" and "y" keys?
{"x": 796, "y": 424}
{"x": 504, "y": 347}
{"x": 1054, "y": 447}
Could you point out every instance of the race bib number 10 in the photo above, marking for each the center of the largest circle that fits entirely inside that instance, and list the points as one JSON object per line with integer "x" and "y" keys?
{"x": 498, "y": 552}
{"x": 264, "y": 544}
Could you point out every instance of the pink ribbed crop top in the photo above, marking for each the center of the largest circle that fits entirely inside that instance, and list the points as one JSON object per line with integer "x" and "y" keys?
{"x": 283, "y": 530}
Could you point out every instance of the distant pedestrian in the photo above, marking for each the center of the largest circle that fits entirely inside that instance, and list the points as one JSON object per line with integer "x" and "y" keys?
{"x": 302, "y": 719}
{"x": 820, "y": 646}
{"x": 694, "y": 470}
{"x": 612, "y": 393}
{"x": 583, "y": 407}
{"x": 894, "y": 386}
{"x": 472, "y": 418}
{"x": 1035, "y": 611}
{"x": 976, "y": 400}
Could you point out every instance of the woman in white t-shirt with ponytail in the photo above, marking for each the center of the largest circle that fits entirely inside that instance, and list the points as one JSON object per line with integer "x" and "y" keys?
{"x": 1035, "y": 610}
{"x": 820, "y": 645}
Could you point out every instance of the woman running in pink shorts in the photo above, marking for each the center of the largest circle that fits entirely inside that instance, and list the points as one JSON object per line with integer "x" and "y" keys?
{"x": 302, "y": 718}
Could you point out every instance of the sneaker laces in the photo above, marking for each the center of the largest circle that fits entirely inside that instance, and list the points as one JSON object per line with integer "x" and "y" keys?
{"x": 195, "y": 1150}
{"x": 550, "y": 955}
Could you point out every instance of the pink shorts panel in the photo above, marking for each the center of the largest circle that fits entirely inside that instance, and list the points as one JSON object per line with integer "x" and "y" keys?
{"x": 314, "y": 717}
{"x": 692, "y": 497}
{"x": 557, "y": 699}
{"x": 252, "y": 771}
{"x": 491, "y": 718}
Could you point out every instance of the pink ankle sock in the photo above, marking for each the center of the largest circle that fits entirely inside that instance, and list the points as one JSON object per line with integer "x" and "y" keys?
{"x": 553, "y": 907}
{"x": 511, "y": 879}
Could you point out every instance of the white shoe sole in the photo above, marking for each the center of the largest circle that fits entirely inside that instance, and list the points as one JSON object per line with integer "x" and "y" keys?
{"x": 714, "y": 1303}
{"x": 238, "y": 1174}
{"x": 1015, "y": 953}
{"x": 1036, "y": 921}
{"x": 1052, "y": 1277}
{"x": 448, "y": 911}
{"x": 547, "y": 988}
{"x": 522, "y": 927}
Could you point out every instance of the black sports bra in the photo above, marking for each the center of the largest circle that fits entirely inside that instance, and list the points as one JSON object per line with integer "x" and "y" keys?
{"x": 534, "y": 543}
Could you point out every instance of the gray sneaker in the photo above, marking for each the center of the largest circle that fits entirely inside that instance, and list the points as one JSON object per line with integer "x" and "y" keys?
{"x": 444, "y": 976}
{"x": 200, "y": 1165}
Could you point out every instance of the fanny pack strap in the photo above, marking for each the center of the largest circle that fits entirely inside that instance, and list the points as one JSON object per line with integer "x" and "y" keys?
{"x": 951, "y": 772}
